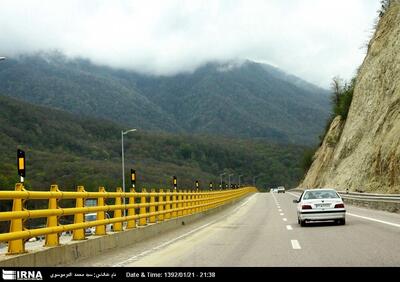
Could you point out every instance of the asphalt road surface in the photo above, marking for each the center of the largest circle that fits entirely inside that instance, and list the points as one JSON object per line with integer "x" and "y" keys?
{"x": 262, "y": 230}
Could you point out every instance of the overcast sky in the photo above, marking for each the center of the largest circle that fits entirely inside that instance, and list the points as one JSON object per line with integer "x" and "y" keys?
{"x": 313, "y": 39}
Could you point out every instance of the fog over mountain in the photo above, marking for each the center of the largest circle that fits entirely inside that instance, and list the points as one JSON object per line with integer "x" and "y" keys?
{"x": 234, "y": 99}
{"x": 312, "y": 39}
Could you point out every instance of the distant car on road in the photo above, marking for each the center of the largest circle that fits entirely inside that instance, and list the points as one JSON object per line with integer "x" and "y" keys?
{"x": 281, "y": 189}
{"x": 92, "y": 217}
{"x": 320, "y": 204}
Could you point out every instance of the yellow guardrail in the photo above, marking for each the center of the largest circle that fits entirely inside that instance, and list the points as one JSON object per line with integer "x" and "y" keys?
{"x": 142, "y": 208}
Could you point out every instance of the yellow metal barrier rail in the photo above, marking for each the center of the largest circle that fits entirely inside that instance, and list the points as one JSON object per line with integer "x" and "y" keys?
{"x": 153, "y": 207}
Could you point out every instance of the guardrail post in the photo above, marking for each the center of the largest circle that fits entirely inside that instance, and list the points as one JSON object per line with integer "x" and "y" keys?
{"x": 174, "y": 197}
{"x": 180, "y": 203}
{"x": 52, "y": 221}
{"x": 184, "y": 204}
{"x": 16, "y": 225}
{"x": 193, "y": 201}
{"x": 210, "y": 200}
{"x": 101, "y": 229}
{"x": 143, "y": 220}
{"x": 79, "y": 234}
{"x": 197, "y": 201}
{"x": 213, "y": 198}
{"x": 201, "y": 200}
{"x": 168, "y": 205}
{"x": 205, "y": 200}
{"x": 161, "y": 205}
{"x": 131, "y": 211}
{"x": 152, "y": 208}
{"x": 118, "y": 212}
{"x": 194, "y": 198}
{"x": 189, "y": 202}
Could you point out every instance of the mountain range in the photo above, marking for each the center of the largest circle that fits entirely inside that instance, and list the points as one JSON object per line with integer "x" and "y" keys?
{"x": 234, "y": 99}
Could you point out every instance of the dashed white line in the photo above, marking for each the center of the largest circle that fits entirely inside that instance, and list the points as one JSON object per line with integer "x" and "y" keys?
{"x": 295, "y": 245}
{"x": 281, "y": 213}
{"x": 284, "y": 219}
{"x": 279, "y": 210}
{"x": 289, "y": 227}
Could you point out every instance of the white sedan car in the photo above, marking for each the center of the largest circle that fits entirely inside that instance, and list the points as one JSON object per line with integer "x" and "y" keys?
{"x": 92, "y": 217}
{"x": 320, "y": 204}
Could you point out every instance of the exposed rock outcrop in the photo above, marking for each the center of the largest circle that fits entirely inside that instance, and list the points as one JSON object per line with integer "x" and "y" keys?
{"x": 364, "y": 153}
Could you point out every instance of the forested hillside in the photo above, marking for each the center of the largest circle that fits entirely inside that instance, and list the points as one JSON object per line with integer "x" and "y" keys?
{"x": 233, "y": 99}
{"x": 69, "y": 150}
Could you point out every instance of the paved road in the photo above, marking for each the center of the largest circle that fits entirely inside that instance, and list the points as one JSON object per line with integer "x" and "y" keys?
{"x": 262, "y": 230}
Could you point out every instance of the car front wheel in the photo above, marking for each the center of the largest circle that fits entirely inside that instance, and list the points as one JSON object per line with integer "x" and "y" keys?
{"x": 302, "y": 223}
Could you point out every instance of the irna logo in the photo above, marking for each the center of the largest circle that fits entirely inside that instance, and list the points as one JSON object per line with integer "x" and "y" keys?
{"x": 22, "y": 275}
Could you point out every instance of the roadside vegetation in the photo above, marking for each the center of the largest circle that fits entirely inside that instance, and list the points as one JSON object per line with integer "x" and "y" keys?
{"x": 341, "y": 97}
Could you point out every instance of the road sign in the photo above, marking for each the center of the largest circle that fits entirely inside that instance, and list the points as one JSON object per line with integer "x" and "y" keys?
{"x": 175, "y": 182}
{"x": 21, "y": 164}
{"x": 211, "y": 185}
{"x": 197, "y": 184}
{"x": 133, "y": 178}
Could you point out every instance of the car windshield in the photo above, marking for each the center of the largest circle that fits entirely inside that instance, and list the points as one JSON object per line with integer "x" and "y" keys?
{"x": 90, "y": 217}
{"x": 320, "y": 194}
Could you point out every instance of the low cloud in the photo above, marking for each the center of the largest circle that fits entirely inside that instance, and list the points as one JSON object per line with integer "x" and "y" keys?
{"x": 313, "y": 39}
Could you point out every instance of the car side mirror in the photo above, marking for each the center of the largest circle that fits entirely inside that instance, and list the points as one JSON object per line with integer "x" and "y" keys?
{"x": 295, "y": 201}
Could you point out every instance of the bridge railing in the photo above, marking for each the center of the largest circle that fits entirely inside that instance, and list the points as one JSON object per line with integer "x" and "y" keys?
{"x": 142, "y": 208}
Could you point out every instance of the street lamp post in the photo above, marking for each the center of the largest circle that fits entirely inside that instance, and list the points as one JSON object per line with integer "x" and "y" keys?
{"x": 254, "y": 179}
{"x": 239, "y": 179}
{"x": 222, "y": 174}
{"x": 123, "y": 160}
{"x": 229, "y": 180}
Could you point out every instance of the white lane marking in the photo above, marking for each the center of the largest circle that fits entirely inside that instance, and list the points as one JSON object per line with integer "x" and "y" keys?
{"x": 279, "y": 210}
{"x": 274, "y": 198}
{"x": 284, "y": 219}
{"x": 373, "y": 219}
{"x": 142, "y": 254}
{"x": 295, "y": 245}
{"x": 294, "y": 195}
{"x": 289, "y": 227}
{"x": 281, "y": 213}
{"x": 364, "y": 217}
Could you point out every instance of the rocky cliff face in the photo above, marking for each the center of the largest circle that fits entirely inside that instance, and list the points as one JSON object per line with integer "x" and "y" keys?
{"x": 364, "y": 152}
